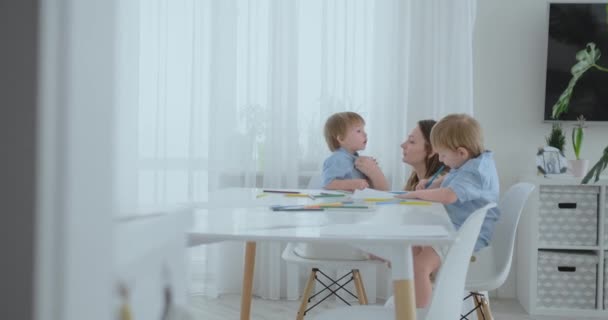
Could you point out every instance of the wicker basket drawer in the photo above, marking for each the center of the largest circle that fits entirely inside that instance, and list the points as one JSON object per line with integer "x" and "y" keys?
{"x": 568, "y": 215}
{"x": 606, "y": 280}
{"x": 566, "y": 280}
{"x": 606, "y": 220}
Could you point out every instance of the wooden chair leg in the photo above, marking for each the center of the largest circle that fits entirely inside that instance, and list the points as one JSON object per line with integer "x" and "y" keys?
{"x": 361, "y": 295}
{"x": 306, "y": 295}
{"x": 483, "y": 312}
{"x": 486, "y": 308}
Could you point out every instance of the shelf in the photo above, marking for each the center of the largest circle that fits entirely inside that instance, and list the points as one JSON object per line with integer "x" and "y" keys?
{"x": 530, "y": 244}
{"x": 592, "y": 248}
{"x": 577, "y": 313}
{"x": 565, "y": 180}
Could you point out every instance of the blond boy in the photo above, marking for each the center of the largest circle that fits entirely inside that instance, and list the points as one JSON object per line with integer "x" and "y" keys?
{"x": 344, "y": 169}
{"x": 471, "y": 183}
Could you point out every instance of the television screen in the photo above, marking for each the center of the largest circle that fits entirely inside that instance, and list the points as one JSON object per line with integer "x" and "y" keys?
{"x": 571, "y": 27}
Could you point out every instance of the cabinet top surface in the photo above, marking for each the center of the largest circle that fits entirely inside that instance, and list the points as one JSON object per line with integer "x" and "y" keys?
{"x": 563, "y": 179}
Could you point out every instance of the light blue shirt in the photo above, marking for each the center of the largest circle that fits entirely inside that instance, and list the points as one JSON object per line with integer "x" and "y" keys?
{"x": 340, "y": 165}
{"x": 475, "y": 184}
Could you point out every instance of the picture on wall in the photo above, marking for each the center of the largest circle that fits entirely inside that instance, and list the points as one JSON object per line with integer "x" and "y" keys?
{"x": 572, "y": 26}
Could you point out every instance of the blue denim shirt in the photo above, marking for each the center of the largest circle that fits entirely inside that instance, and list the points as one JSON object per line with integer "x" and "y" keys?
{"x": 340, "y": 165}
{"x": 475, "y": 184}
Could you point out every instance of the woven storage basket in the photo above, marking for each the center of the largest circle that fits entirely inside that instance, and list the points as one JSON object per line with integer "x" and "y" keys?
{"x": 566, "y": 280}
{"x": 568, "y": 216}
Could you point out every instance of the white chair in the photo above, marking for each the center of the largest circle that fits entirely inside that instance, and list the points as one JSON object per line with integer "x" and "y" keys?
{"x": 330, "y": 286}
{"x": 315, "y": 257}
{"x": 446, "y": 302}
{"x": 490, "y": 266}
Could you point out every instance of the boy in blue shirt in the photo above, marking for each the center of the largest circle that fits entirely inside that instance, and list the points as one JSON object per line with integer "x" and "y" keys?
{"x": 344, "y": 169}
{"x": 471, "y": 183}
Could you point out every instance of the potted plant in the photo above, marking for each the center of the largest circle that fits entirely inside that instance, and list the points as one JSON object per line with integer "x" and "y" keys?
{"x": 578, "y": 166}
{"x": 556, "y": 138}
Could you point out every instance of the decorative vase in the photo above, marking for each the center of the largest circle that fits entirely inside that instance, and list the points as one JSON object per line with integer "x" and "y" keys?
{"x": 579, "y": 167}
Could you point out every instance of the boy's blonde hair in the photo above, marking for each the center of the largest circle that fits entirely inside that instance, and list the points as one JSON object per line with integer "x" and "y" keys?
{"x": 458, "y": 130}
{"x": 337, "y": 125}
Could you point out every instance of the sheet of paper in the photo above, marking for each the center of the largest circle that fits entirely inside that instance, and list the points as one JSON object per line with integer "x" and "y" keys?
{"x": 372, "y": 194}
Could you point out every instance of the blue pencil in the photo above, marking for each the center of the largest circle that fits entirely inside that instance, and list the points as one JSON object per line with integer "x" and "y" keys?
{"x": 428, "y": 184}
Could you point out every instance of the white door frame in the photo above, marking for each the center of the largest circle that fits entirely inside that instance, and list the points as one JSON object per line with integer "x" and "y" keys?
{"x": 73, "y": 275}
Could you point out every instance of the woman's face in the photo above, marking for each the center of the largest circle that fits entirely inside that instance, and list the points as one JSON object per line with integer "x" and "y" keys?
{"x": 414, "y": 148}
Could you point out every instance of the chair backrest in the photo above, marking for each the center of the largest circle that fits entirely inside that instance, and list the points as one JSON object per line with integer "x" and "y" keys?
{"x": 511, "y": 205}
{"x": 314, "y": 182}
{"x": 446, "y": 302}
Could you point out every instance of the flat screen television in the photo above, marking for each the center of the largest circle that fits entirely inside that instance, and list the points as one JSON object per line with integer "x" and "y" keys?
{"x": 571, "y": 27}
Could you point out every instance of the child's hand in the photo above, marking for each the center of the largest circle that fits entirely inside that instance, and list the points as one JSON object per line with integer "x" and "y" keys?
{"x": 422, "y": 184}
{"x": 409, "y": 195}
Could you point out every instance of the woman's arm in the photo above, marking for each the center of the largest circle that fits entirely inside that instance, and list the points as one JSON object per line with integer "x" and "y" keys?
{"x": 349, "y": 185}
{"x": 442, "y": 195}
{"x": 369, "y": 167}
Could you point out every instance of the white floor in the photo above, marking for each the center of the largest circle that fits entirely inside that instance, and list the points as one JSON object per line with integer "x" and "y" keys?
{"x": 227, "y": 307}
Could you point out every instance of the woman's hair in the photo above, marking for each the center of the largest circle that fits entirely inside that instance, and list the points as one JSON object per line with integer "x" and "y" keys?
{"x": 458, "y": 131}
{"x": 432, "y": 163}
{"x": 337, "y": 125}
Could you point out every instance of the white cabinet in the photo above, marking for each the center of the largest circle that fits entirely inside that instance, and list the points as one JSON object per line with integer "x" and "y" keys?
{"x": 562, "y": 249}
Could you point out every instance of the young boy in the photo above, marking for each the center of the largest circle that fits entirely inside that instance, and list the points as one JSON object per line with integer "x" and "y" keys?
{"x": 471, "y": 183}
{"x": 344, "y": 169}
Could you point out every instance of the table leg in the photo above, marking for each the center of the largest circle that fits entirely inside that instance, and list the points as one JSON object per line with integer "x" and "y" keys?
{"x": 247, "y": 280}
{"x": 403, "y": 283}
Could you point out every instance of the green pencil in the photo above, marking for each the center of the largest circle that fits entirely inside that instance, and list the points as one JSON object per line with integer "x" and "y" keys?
{"x": 344, "y": 207}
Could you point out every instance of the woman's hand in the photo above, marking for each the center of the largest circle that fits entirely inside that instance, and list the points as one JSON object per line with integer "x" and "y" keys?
{"x": 367, "y": 165}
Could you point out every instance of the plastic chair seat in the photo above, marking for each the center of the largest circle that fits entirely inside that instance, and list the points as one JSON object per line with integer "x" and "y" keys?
{"x": 290, "y": 255}
{"x": 482, "y": 271}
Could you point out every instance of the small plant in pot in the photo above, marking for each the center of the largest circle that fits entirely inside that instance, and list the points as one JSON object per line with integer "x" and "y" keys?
{"x": 556, "y": 138}
{"x": 579, "y": 166}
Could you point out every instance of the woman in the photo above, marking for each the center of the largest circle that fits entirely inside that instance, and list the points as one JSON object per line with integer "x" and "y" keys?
{"x": 418, "y": 153}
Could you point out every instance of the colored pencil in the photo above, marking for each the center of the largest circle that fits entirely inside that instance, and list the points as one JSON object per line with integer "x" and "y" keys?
{"x": 428, "y": 184}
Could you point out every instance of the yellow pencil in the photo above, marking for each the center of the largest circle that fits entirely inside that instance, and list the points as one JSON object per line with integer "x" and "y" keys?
{"x": 296, "y": 195}
{"x": 416, "y": 203}
{"x": 378, "y": 199}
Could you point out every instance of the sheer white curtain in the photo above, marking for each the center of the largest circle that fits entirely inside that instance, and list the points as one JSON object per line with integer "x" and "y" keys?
{"x": 221, "y": 93}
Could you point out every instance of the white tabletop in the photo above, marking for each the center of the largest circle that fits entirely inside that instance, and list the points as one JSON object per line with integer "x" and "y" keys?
{"x": 242, "y": 214}
{"x": 387, "y": 231}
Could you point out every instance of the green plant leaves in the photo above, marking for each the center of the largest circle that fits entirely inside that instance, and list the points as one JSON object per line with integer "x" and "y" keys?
{"x": 586, "y": 59}
{"x": 597, "y": 168}
{"x": 578, "y": 133}
{"x": 556, "y": 138}
{"x": 577, "y": 141}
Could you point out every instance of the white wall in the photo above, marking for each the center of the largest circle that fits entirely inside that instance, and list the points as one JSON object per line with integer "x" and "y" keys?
{"x": 510, "y": 61}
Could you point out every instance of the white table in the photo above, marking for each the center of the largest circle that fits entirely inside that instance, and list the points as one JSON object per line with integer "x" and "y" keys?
{"x": 389, "y": 231}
